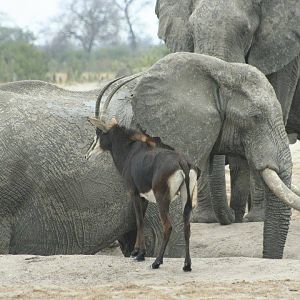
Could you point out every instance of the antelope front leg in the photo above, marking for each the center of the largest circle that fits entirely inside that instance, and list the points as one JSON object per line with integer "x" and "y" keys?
{"x": 139, "y": 250}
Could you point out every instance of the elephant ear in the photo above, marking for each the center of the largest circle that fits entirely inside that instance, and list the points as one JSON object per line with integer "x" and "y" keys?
{"x": 174, "y": 26}
{"x": 166, "y": 101}
{"x": 277, "y": 41}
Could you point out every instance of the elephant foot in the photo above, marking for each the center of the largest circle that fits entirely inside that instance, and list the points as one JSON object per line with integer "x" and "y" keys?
{"x": 203, "y": 216}
{"x": 226, "y": 216}
{"x": 255, "y": 215}
{"x": 239, "y": 216}
{"x": 157, "y": 263}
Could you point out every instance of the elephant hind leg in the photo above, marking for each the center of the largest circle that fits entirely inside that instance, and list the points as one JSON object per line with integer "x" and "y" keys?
{"x": 239, "y": 176}
{"x": 204, "y": 212}
{"x": 258, "y": 200}
{"x": 223, "y": 212}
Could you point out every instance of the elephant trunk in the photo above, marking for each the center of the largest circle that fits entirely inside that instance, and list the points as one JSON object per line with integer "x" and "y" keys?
{"x": 278, "y": 207}
{"x": 277, "y": 217}
{"x": 275, "y": 168}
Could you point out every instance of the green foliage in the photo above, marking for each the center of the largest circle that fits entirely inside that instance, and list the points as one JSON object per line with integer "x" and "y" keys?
{"x": 122, "y": 57}
{"x": 8, "y": 34}
{"x": 19, "y": 58}
{"x": 115, "y": 59}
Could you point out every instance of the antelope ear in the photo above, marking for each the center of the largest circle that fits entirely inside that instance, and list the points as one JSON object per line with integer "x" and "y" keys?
{"x": 277, "y": 41}
{"x": 95, "y": 121}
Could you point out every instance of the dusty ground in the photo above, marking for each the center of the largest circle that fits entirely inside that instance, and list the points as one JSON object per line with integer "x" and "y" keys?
{"x": 225, "y": 259}
{"x": 108, "y": 277}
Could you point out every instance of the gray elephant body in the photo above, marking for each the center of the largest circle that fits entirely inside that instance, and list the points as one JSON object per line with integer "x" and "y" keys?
{"x": 52, "y": 200}
{"x": 258, "y": 32}
{"x": 204, "y": 106}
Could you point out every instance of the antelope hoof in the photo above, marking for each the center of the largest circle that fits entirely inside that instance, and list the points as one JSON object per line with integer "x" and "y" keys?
{"x": 135, "y": 252}
{"x": 156, "y": 264}
{"x": 140, "y": 256}
{"x": 187, "y": 267}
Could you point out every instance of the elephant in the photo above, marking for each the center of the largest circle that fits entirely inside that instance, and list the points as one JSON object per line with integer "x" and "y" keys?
{"x": 52, "y": 200}
{"x": 263, "y": 33}
{"x": 203, "y": 106}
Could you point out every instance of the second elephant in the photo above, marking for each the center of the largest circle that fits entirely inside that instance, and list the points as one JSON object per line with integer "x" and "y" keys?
{"x": 262, "y": 33}
{"x": 204, "y": 106}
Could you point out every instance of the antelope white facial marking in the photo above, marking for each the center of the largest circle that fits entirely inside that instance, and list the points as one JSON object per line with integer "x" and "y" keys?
{"x": 94, "y": 149}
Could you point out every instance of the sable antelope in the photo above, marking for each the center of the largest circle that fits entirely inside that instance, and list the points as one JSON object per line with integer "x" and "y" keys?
{"x": 151, "y": 170}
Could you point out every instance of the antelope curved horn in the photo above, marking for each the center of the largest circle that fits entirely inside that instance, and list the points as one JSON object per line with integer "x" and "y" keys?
{"x": 277, "y": 186}
{"x": 97, "y": 109}
{"x": 98, "y": 123}
{"x": 106, "y": 103}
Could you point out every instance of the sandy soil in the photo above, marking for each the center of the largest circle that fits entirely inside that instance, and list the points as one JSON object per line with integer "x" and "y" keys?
{"x": 226, "y": 262}
{"x": 108, "y": 277}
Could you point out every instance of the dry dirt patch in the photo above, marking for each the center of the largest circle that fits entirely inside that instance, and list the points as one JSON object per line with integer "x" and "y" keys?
{"x": 106, "y": 277}
{"x": 215, "y": 275}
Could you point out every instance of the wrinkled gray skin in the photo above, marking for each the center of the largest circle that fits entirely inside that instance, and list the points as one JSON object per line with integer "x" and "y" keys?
{"x": 238, "y": 113}
{"x": 257, "y": 199}
{"x": 263, "y": 33}
{"x": 293, "y": 123}
{"x": 53, "y": 201}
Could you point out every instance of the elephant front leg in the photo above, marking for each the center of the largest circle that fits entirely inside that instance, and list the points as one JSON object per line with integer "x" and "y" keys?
{"x": 223, "y": 212}
{"x": 239, "y": 176}
{"x": 258, "y": 201}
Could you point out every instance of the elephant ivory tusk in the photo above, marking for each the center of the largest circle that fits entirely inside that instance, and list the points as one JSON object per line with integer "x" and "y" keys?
{"x": 295, "y": 189}
{"x": 277, "y": 186}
